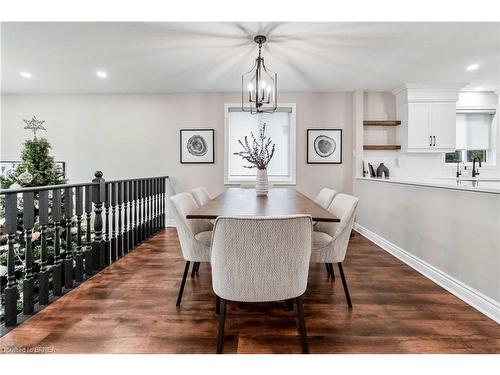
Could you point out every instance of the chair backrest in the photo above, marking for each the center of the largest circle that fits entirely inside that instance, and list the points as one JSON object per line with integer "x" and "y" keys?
{"x": 183, "y": 204}
{"x": 344, "y": 207}
{"x": 325, "y": 197}
{"x": 200, "y": 195}
{"x": 261, "y": 259}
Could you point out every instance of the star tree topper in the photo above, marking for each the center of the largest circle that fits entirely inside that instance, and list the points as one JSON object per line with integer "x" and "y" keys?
{"x": 34, "y": 125}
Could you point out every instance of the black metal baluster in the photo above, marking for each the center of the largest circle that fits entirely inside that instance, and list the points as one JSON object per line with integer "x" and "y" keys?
{"x": 153, "y": 205}
{"x": 11, "y": 289}
{"x": 125, "y": 218}
{"x": 98, "y": 192}
{"x": 143, "y": 191}
{"x": 119, "y": 239}
{"x": 89, "y": 261}
{"x": 148, "y": 207}
{"x": 107, "y": 244}
{"x": 140, "y": 205}
{"x": 160, "y": 207}
{"x": 29, "y": 281}
{"x": 131, "y": 223}
{"x": 163, "y": 201}
{"x": 57, "y": 267}
{"x": 136, "y": 217}
{"x": 68, "y": 253}
{"x": 146, "y": 202}
{"x": 79, "y": 253}
{"x": 157, "y": 205}
{"x": 43, "y": 274}
{"x": 112, "y": 188}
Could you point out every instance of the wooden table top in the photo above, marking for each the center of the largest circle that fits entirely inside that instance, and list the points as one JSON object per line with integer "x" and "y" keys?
{"x": 279, "y": 201}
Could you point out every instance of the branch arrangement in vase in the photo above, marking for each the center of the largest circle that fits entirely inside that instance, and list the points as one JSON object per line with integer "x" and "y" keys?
{"x": 258, "y": 155}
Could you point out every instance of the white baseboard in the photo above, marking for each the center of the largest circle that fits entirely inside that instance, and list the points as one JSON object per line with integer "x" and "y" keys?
{"x": 170, "y": 223}
{"x": 472, "y": 297}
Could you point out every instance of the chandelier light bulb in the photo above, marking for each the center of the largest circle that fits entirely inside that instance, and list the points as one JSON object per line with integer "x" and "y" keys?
{"x": 250, "y": 87}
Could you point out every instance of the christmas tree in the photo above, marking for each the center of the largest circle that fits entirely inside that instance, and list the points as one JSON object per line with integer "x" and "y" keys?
{"x": 37, "y": 167}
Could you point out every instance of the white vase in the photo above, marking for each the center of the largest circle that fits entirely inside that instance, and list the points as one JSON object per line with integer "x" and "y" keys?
{"x": 262, "y": 185}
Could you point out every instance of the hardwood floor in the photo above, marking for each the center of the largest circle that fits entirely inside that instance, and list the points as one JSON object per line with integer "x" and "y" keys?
{"x": 130, "y": 308}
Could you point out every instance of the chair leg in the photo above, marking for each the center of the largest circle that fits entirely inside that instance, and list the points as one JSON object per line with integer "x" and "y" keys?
{"x": 193, "y": 271}
{"x": 198, "y": 269}
{"x": 183, "y": 282}
{"x": 327, "y": 266}
{"x": 332, "y": 272}
{"x": 222, "y": 321}
{"x": 302, "y": 326}
{"x": 344, "y": 283}
{"x": 217, "y": 305}
{"x": 289, "y": 304}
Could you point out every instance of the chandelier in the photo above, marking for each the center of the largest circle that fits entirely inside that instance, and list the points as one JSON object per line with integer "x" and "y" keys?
{"x": 259, "y": 86}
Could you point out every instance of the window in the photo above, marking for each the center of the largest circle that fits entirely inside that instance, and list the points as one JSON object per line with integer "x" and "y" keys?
{"x": 474, "y": 137}
{"x": 280, "y": 126}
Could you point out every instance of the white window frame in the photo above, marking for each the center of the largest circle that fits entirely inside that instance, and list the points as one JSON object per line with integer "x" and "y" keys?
{"x": 292, "y": 180}
{"x": 491, "y": 154}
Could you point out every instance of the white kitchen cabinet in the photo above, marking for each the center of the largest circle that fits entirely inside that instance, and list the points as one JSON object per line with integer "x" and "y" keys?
{"x": 428, "y": 118}
{"x": 443, "y": 126}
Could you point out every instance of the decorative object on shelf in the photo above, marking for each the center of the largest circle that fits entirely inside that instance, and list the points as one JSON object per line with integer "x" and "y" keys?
{"x": 382, "y": 171}
{"x": 259, "y": 86}
{"x": 259, "y": 156}
{"x": 324, "y": 146}
{"x": 34, "y": 125}
{"x": 372, "y": 170}
{"x": 365, "y": 171}
{"x": 197, "y": 146}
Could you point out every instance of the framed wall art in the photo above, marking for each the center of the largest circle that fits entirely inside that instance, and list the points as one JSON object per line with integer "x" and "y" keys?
{"x": 8, "y": 166}
{"x": 197, "y": 146}
{"x": 324, "y": 146}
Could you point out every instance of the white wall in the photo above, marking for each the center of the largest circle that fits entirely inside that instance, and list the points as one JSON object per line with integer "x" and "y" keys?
{"x": 382, "y": 106}
{"x": 455, "y": 232}
{"x": 138, "y": 135}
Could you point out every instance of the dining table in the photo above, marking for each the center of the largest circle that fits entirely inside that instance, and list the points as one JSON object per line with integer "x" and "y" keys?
{"x": 245, "y": 202}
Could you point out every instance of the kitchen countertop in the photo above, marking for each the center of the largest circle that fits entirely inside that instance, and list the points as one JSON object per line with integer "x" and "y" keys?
{"x": 480, "y": 185}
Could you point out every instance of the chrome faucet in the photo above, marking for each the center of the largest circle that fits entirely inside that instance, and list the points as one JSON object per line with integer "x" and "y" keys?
{"x": 474, "y": 172}
{"x": 459, "y": 171}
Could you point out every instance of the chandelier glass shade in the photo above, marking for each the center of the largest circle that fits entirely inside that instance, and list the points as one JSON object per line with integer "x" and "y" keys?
{"x": 259, "y": 86}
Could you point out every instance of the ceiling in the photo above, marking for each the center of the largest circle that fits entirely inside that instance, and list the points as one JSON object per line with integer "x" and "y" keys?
{"x": 210, "y": 57}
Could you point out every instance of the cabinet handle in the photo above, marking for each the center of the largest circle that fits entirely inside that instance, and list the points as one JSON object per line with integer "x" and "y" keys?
{"x": 430, "y": 140}
{"x": 434, "y": 140}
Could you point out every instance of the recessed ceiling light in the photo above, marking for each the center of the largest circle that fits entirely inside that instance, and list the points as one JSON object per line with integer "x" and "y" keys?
{"x": 25, "y": 74}
{"x": 472, "y": 67}
{"x": 101, "y": 74}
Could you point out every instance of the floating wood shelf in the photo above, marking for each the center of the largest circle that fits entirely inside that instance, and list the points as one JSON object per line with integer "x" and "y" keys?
{"x": 382, "y": 147}
{"x": 381, "y": 122}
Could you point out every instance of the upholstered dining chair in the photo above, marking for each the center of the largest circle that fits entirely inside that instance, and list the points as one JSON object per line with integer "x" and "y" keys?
{"x": 330, "y": 240}
{"x": 194, "y": 236}
{"x": 261, "y": 259}
{"x": 325, "y": 197}
{"x": 200, "y": 195}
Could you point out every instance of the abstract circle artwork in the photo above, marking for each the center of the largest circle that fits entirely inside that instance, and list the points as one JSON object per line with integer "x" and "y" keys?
{"x": 197, "y": 146}
{"x": 324, "y": 146}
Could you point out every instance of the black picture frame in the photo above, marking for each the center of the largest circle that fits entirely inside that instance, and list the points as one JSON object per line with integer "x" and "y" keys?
{"x": 326, "y": 161}
{"x": 206, "y": 160}
{"x": 14, "y": 163}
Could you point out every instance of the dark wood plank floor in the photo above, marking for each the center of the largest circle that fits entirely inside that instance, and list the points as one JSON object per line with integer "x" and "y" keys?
{"x": 130, "y": 308}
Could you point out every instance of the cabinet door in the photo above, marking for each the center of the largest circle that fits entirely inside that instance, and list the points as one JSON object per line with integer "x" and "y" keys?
{"x": 419, "y": 125}
{"x": 444, "y": 126}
